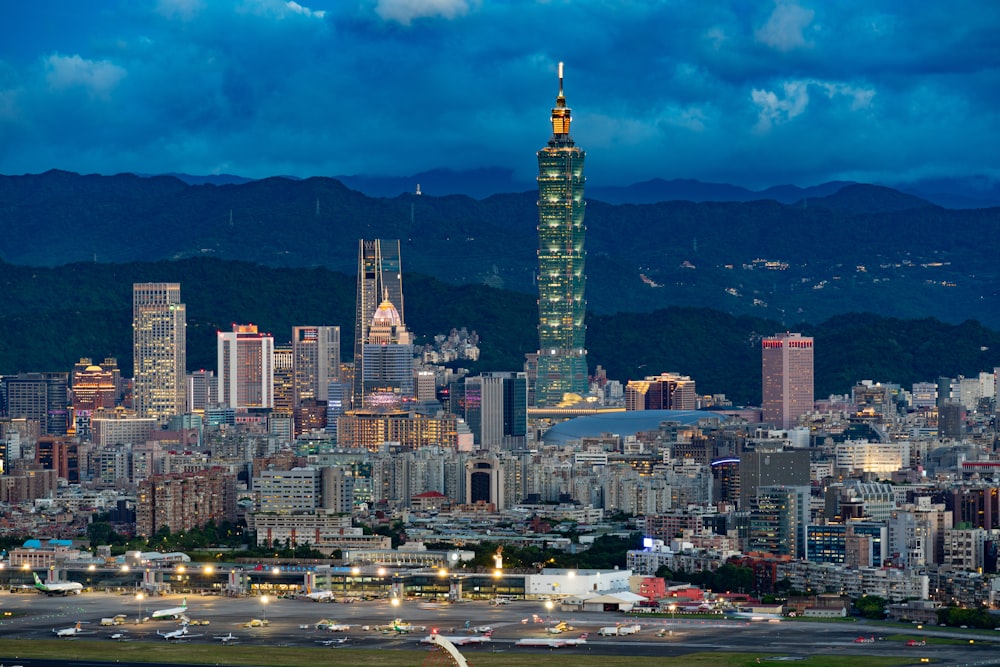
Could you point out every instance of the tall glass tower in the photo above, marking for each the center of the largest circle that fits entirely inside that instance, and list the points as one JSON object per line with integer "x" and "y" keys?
{"x": 562, "y": 358}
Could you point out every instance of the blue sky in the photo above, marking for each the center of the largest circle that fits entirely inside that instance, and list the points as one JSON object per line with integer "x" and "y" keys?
{"x": 752, "y": 93}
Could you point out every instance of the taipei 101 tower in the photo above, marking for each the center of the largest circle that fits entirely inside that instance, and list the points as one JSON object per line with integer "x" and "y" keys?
{"x": 562, "y": 357}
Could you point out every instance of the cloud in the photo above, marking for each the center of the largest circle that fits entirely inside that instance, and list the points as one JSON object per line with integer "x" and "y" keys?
{"x": 404, "y": 11}
{"x": 774, "y": 110}
{"x": 783, "y": 30}
{"x": 99, "y": 78}
{"x": 182, "y": 9}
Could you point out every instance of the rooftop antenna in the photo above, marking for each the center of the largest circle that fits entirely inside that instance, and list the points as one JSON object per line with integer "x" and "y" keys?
{"x": 230, "y": 217}
{"x": 317, "y": 207}
{"x": 418, "y": 192}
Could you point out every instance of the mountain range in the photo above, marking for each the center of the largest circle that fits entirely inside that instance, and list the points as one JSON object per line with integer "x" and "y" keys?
{"x": 845, "y": 248}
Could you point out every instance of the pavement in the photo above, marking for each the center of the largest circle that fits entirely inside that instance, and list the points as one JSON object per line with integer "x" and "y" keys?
{"x": 292, "y": 623}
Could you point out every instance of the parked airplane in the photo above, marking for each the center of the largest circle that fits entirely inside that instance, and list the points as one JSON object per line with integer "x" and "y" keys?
{"x": 118, "y": 636}
{"x": 70, "y": 632}
{"x": 552, "y": 643}
{"x": 753, "y": 616}
{"x": 179, "y": 633}
{"x": 458, "y": 640}
{"x": 319, "y": 596}
{"x": 225, "y": 639}
{"x": 499, "y": 600}
{"x": 865, "y": 640}
{"x": 172, "y": 612}
{"x": 333, "y": 642}
{"x": 57, "y": 588}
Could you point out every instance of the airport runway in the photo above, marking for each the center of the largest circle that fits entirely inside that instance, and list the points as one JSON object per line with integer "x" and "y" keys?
{"x": 292, "y": 623}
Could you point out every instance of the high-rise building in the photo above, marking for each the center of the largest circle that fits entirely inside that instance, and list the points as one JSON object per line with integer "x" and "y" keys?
{"x": 316, "y": 351}
{"x": 667, "y": 391}
{"x": 202, "y": 390}
{"x": 246, "y": 368}
{"x": 562, "y": 357}
{"x": 39, "y": 397}
{"x": 94, "y": 386}
{"x": 387, "y": 359}
{"x": 495, "y": 406}
{"x": 159, "y": 349}
{"x": 787, "y": 365}
{"x": 380, "y": 278}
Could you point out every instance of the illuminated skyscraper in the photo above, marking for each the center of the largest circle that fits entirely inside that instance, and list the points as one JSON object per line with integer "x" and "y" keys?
{"x": 159, "y": 349}
{"x": 316, "y": 352}
{"x": 246, "y": 368}
{"x": 379, "y": 279}
{"x": 562, "y": 358}
{"x": 787, "y": 369}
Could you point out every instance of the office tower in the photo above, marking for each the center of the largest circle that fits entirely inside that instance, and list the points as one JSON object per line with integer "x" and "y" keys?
{"x": 787, "y": 364}
{"x": 246, "y": 368}
{"x": 762, "y": 469}
{"x": 667, "y": 391}
{"x": 39, "y": 397}
{"x": 202, "y": 390}
{"x": 61, "y": 455}
{"x": 284, "y": 380}
{"x": 495, "y": 406}
{"x": 94, "y": 386}
{"x": 387, "y": 360}
{"x": 380, "y": 279}
{"x": 316, "y": 352}
{"x": 562, "y": 357}
{"x": 338, "y": 397}
{"x": 159, "y": 349}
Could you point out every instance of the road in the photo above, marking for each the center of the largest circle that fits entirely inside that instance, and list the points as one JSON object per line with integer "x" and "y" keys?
{"x": 292, "y": 623}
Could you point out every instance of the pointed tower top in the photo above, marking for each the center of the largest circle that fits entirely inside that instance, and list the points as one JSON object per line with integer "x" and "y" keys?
{"x": 561, "y": 113}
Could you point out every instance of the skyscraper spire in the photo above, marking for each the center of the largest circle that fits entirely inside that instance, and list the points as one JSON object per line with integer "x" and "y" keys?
{"x": 561, "y": 115}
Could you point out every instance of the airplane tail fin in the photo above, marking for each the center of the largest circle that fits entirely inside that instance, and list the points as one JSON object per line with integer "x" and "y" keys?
{"x": 184, "y": 603}
{"x": 38, "y": 582}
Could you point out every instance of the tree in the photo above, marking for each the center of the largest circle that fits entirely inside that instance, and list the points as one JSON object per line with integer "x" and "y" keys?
{"x": 871, "y": 606}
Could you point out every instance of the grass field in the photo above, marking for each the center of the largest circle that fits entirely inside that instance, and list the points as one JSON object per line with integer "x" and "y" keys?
{"x": 138, "y": 652}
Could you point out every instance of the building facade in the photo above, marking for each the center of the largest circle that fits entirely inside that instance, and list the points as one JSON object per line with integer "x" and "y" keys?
{"x": 159, "y": 349}
{"x": 562, "y": 355}
{"x": 316, "y": 360}
{"x": 667, "y": 391}
{"x": 787, "y": 369}
{"x": 246, "y": 368}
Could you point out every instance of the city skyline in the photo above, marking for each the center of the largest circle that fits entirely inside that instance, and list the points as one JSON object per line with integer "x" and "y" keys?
{"x": 787, "y": 92}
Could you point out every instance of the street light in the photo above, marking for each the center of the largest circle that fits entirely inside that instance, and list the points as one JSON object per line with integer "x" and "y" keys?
{"x": 395, "y": 602}
{"x": 138, "y": 603}
{"x": 263, "y": 605}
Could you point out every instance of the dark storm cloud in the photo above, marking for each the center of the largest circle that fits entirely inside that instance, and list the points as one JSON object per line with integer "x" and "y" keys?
{"x": 752, "y": 93}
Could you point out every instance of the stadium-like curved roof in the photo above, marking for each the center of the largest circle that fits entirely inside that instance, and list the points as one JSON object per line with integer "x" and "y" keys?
{"x": 623, "y": 423}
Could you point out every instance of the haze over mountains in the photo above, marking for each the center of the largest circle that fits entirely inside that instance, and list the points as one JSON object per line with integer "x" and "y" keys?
{"x": 855, "y": 248}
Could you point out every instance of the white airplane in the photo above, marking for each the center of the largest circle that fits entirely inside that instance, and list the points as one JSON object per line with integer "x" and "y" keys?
{"x": 319, "y": 596}
{"x": 552, "y": 643}
{"x": 70, "y": 632}
{"x": 118, "y": 636}
{"x": 225, "y": 639}
{"x": 496, "y": 602}
{"x": 179, "y": 633}
{"x": 333, "y": 642}
{"x": 459, "y": 640}
{"x": 172, "y": 612}
{"x": 57, "y": 588}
